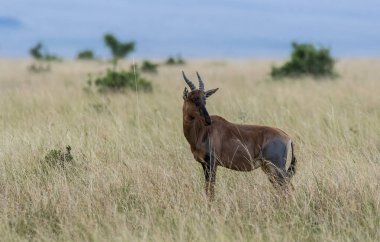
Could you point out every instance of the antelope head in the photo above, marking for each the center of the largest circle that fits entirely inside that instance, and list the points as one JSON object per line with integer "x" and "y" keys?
{"x": 195, "y": 100}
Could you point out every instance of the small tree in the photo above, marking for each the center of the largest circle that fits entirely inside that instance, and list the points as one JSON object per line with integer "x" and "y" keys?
{"x": 118, "y": 49}
{"x": 39, "y": 52}
{"x": 35, "y": 51}
{"x": 149, "y": 67}
{"x": 115, "y": 80}
{"x": 306, "y": 60}
{"x": 85, "y": 55}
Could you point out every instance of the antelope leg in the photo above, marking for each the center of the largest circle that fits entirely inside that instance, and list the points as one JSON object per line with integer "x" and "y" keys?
{"x": 209, "y": 170}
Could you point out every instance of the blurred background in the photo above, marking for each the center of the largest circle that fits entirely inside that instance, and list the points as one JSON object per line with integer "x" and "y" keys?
{"x": 194, "y": 29}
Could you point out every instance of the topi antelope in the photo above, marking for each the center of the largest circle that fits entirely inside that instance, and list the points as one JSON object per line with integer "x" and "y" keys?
{"x": 216, "y": 142}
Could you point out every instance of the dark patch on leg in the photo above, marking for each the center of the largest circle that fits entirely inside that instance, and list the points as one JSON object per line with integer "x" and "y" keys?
{"x": 209, "y": 170}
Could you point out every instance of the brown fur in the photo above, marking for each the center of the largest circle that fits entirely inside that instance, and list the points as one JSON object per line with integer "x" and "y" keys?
{"x": 234, "y": 146}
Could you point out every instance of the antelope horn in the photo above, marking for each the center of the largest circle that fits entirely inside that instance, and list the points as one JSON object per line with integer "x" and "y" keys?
{"x": 201, "y": 84}
{"x": 191, "y": 85}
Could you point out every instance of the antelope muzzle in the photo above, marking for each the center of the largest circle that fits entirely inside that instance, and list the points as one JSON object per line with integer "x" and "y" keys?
{"x": 205, "y": 114}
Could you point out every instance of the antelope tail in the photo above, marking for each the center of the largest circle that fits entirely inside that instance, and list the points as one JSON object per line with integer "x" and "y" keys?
{"x": 292, "y": 168}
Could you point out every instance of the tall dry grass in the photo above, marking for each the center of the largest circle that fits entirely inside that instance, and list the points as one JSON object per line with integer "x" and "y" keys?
{"x": 134, "y": 178}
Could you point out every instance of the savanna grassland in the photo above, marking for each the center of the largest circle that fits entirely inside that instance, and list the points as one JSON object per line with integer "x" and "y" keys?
{"x": 133, "y": 177}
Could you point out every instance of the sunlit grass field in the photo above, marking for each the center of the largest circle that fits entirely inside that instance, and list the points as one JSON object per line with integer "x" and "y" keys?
{"x": 133, "y": 177}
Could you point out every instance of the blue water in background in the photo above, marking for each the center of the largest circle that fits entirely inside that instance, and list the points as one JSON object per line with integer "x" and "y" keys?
{"x": 194, "y": 29}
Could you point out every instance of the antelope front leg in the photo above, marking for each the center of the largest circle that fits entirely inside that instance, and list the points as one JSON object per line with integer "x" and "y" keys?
{"x": 209, "y": 170}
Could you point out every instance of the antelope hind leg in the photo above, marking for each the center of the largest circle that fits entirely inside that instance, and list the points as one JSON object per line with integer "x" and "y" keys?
{"x": 276, "y": 177}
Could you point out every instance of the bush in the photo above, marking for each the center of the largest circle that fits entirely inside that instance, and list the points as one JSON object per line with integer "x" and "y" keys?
{"x": 306, "y": 60}
{"x": 38, "y": 52}
{"x": 39, "y": 68}
{"x": 86, "y": 55}
{"x": 116, "y": 81}
{"x": 52, "y": 57}
{"x": 57, "y": 158}
{"x": 170, "y": 61}
{"x": 148, "y": 66}
{"x": 175, "y": 60}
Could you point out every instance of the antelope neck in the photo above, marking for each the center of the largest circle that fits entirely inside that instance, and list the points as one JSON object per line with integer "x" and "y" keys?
{"x": 193, "y": 127}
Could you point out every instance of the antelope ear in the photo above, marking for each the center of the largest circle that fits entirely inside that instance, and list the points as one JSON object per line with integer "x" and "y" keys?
{"x": 185, "y": 94}
{"x": 210, "y": 92}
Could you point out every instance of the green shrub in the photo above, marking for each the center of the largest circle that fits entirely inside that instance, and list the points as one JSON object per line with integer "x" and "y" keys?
{"x": 58, "y": 158}
{"x": 170, "y": 61}
{"x": 119, "y": 80}
{"x": 306, "y": 60}
{"x": 52, "y": 57}
{"x": 38, "y": 52}
{"x": 86, "y": 55}
{"x": 178, "y": 60}
{"x": 148, "y": 66}
{"x": 115, "y": 80}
